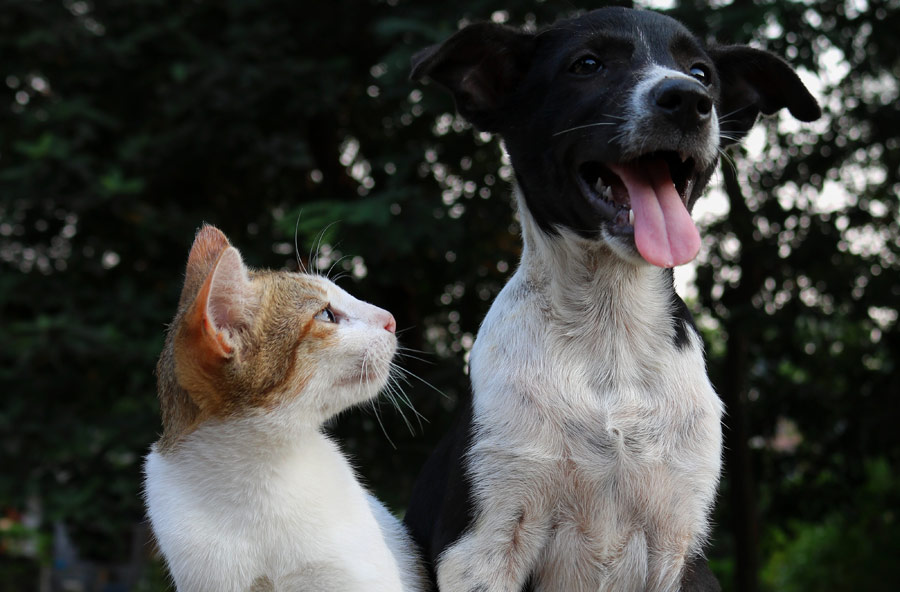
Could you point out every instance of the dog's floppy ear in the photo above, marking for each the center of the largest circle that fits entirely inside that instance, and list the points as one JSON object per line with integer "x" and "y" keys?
{"x": 753, "y": 82}
{"x": 480, "y": 65}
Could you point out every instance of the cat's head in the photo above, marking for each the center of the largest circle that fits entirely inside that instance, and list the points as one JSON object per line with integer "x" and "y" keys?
{"x": 249, "y": 343}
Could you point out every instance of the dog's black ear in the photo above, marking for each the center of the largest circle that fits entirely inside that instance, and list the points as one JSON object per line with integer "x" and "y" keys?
{"x": 753, "y": 82}
{"x": 480, "y": 65}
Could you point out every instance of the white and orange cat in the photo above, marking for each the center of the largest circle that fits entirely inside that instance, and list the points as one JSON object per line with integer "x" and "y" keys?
{"x": 243, "y": 490}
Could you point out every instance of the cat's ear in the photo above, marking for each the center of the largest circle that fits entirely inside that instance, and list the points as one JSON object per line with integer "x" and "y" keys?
{"x": 209, "y": 244}
{"x": 223, "y": 306}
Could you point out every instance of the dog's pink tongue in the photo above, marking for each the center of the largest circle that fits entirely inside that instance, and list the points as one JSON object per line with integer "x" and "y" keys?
{"x": 664, "y": 232}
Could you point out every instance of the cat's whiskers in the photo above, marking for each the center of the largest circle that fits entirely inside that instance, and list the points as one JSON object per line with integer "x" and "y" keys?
{"x": 381, "y": 424}
{"x": 408, "y": 373}
{"x": 296, "y": 244}
{"x": 318, "y": 249}
{"x": 402, "y": 353}
{"x": 393, "y": 391}
{"x": 394, "y": 394}
{"x": 363, "y": 385}
{"x": 315, "y": 254}
{"x": 330, "y": 269}
{"x": 394, "y": 379}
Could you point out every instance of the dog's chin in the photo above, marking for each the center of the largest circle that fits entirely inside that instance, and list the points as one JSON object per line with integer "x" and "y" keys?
{"x": 622, "y": 245}
{"x": 608, "y": 196}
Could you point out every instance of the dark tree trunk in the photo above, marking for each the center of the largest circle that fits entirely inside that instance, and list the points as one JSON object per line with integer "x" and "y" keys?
{"x": 738, "y": 465}
{"x": 742, "y": 494}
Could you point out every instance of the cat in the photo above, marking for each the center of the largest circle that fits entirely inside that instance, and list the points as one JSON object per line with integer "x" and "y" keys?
{"x": 243, "y": 490}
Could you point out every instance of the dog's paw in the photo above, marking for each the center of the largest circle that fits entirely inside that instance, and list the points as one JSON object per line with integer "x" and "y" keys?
{"x": 462, "y": 568}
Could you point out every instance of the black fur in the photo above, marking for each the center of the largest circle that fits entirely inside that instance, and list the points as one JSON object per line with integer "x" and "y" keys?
{"x": 682, "y": 319}
{"x": 441, "y": 509}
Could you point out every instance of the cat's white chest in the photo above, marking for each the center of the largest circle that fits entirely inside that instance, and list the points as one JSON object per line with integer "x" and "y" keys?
{"x": 224, "y": 518}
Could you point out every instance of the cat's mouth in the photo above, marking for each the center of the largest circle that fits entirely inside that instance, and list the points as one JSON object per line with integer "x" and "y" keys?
{"x": 368, "y": 377}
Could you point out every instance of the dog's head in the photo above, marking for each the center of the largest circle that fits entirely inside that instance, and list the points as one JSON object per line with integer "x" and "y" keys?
{"x": 613, "y": 120}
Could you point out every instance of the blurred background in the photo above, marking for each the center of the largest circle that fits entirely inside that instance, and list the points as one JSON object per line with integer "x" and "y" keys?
{"x": 125, "y": 124}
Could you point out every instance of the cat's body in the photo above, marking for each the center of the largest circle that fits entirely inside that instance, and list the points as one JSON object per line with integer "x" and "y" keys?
{"x": 244, "y": 491}
{"x": 232, "y": 507}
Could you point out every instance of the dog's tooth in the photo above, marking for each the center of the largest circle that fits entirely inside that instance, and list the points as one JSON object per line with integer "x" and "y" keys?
{"x": 599, "y": 186}
{"x": 607, "y": 193}
{"x": 631, "y": 217}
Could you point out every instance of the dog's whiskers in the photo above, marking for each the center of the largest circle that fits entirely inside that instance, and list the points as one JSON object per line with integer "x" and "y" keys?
{"x": 578, "y": 127}
{"x": 618, "y": 136}
{"x": 727, "y": 158}
{"x": 730, "y": 113}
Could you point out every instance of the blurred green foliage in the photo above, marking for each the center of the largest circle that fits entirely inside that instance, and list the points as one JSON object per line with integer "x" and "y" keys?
{"x": 850, "y": 549}
{"x": 124, "y": 125}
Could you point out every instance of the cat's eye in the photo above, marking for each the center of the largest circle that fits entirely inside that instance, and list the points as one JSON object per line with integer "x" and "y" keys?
{"x": 586, "y": 65}
{"x": 701, "y": 73}
{"x": 326, "y": 315}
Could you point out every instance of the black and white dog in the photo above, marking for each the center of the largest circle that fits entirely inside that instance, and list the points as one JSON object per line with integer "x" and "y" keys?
{"x": 589, "y": 456}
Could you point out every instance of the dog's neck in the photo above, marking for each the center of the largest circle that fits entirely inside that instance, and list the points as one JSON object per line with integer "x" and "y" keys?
{"x": 587, "y": 283}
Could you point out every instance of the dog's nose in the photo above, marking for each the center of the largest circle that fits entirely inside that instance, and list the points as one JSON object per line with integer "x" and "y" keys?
{"x": 682, "y": 101}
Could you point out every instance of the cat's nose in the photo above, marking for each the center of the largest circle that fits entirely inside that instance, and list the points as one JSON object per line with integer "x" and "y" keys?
{"x": 390, "y": 324}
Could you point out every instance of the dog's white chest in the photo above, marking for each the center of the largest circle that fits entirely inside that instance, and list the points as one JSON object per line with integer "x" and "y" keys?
{"x": 606, "y": 441}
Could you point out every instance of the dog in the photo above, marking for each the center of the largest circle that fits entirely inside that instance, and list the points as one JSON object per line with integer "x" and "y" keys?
{"x": 589, "y": 455}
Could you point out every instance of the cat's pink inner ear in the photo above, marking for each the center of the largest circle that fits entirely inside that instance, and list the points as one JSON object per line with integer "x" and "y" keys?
{"x": 222, "y": 304}
{"x": 209, "y": 244}
{"x": 230, "y": 294}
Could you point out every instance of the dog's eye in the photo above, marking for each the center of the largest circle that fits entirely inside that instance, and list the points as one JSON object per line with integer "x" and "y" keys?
{"x": 326, "y": 315}
{"x": 586, "y": 65}
{"x": 701, "y": 73}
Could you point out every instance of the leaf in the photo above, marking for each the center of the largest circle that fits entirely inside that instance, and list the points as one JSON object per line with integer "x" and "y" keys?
{"x": 116, "y": 183}
{"x": 46, "y": 146}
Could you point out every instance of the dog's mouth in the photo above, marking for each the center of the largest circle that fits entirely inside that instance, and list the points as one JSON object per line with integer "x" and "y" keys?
{"x": 648, "y": 197}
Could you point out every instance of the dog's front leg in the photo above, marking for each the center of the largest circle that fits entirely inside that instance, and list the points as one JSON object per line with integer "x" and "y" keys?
{"x": 512, "y": 523}
{"x": 497, "y": 555}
